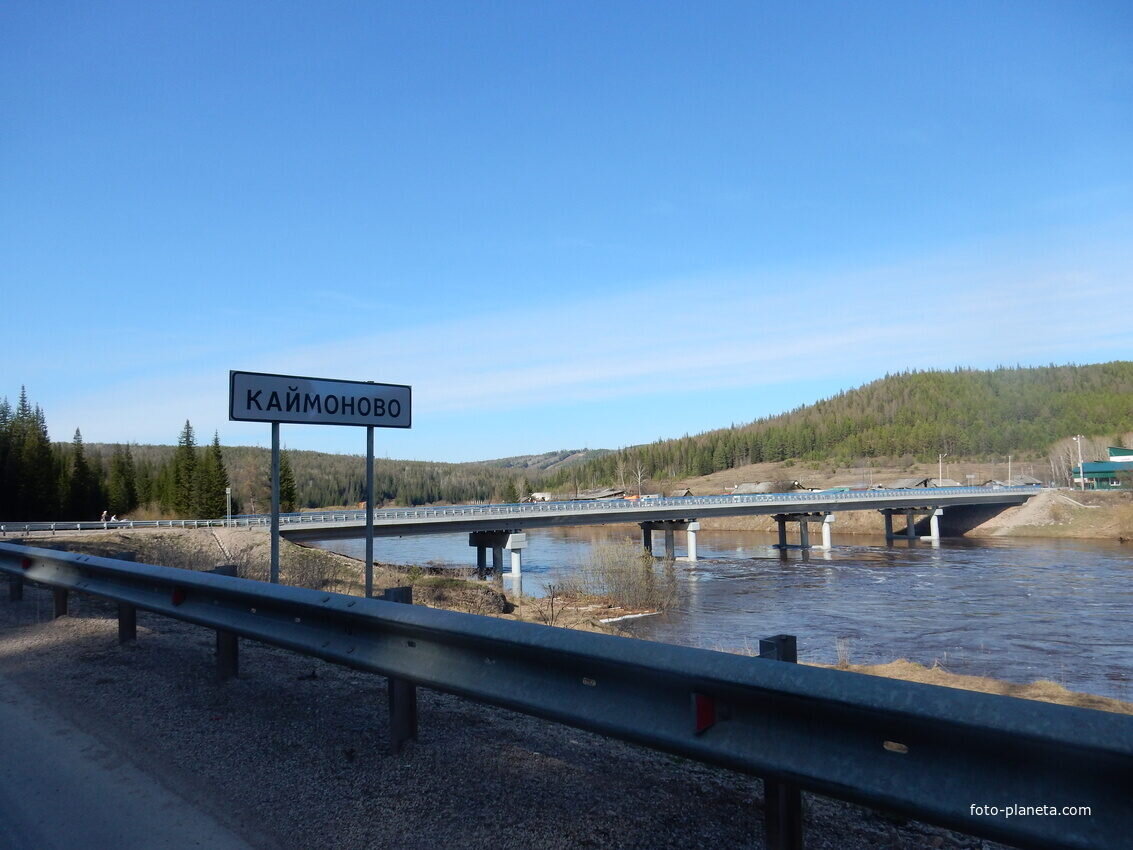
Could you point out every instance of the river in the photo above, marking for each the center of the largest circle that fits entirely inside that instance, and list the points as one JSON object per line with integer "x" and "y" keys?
{"x": 1019, "y": 609}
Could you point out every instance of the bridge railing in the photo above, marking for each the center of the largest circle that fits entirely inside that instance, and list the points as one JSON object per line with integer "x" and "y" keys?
{"x": 611, "y": 506}
{"x": 927, "y": 752}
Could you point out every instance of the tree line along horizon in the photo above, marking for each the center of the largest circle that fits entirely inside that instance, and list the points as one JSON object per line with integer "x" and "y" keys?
{"x": 910, "y": 416}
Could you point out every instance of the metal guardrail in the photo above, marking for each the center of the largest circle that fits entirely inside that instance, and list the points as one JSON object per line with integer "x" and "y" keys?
{"x": 509, "y": 512}
{"x": 931, "y": 753}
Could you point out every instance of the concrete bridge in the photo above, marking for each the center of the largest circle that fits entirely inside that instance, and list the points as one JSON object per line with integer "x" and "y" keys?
{"x": 501, "y": 527}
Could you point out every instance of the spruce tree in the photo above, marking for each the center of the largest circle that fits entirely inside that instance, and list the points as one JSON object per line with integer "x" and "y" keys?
{"x": 212, "y": 480}
{"x": 38, "y": 480}
{"x": 287, "y": 501}
{"x": 82, "y": 491}
{"x": 5, "y": 451}
{"x": 122, "y": 489}
{"x": 184, "y": 473}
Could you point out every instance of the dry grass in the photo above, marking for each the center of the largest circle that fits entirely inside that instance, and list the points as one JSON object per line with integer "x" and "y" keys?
{"x": 626, "y": 577}
{"x": 1041, "y": 690}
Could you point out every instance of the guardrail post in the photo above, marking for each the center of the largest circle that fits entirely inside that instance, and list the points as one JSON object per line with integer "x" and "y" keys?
{"x": 15, "y": 588}
{"x": 227, "y": 643}
{"x": 127, "y": 622}
{"x": 60, "y": 609}
{"x": 782, "y": 801}
{"x": 402, "y": 693}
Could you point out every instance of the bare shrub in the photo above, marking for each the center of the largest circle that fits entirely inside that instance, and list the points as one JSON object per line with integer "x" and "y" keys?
{"x": 628, "y": 577}
{"x": 842, "y": 646}
{"x": 303, "y": 567}
{"x": 545, "y": 608}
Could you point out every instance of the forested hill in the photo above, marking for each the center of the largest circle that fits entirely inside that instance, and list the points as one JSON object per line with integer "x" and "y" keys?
{"x": 964, "y": 412}
{"x": 548, "y": 461}
{"x": 323, "y": 479}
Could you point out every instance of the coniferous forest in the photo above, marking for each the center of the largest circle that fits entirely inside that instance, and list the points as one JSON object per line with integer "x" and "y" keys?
{"x": 41, "y": 480}
{"x": 965, "y": 413}
{"x": 912, "y": 415}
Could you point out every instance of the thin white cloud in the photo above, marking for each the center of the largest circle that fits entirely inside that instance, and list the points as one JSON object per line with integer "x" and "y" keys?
{"x": 683, "y": 336}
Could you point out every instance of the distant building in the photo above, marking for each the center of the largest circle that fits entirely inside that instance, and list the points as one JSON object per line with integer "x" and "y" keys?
{"x": 909, "y": 483}
{"x": 1113, "y": 474}
{"x": 680, "y": 493}
{"x": 1117, "y": 455}
{"x": 600, "y": 493}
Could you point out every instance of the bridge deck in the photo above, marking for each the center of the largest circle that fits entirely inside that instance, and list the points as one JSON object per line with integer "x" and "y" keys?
{"x": 400, "y": 522}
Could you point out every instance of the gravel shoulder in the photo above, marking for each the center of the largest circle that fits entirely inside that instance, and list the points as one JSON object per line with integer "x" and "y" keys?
{"x": 60, "y": 788}
{"x": 292, "y": 752}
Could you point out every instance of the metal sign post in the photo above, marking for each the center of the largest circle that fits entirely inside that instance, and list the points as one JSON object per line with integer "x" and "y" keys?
{"x": 369, "y": 511}
{"x": 262, "y": 397}
{"x": 273, "y": 575}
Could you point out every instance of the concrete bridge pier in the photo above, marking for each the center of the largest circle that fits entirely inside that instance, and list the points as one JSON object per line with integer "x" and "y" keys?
{"x": 515, "y": 544}
{"x": 827, "y": 545}
{"x": 910, "y": 533}
{"x": 690, "y": 535}
{"x": 934, "y": 527}
{"x": 670, "y": 527}
{"x": 496, "y": 541}
{"x": 804, "y": 520}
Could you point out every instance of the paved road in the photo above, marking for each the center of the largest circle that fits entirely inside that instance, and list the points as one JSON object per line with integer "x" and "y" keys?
{"x": 61, "y": 788}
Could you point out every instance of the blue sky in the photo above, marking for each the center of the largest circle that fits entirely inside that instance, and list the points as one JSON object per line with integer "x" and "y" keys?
{"x": 564, "y": 224}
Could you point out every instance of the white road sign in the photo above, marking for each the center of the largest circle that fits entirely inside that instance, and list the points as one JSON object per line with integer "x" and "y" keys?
{"x": 258, "y": 397}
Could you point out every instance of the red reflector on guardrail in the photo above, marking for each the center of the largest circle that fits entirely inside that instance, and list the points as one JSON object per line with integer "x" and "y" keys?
{"x": 26, "y": 563}
{"x": 703, "y": 711}
{"x": 179, "y": 595}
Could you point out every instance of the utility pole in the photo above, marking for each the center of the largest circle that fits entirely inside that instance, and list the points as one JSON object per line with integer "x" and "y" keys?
{"x": 1081, "y": 473}
{"x": 1009, "y": 470}
{"x": 940, "y": 466}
